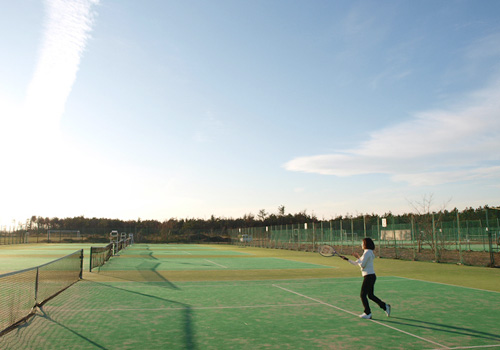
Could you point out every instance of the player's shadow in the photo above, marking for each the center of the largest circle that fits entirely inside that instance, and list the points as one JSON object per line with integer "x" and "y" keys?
{"x": 440, "y": 327}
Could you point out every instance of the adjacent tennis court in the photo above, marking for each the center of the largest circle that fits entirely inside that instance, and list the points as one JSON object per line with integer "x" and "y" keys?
{"x": 228, "y": 297}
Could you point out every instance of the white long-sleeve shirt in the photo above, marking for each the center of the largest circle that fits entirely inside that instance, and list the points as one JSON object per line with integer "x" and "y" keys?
{"x": 365, "y": 262}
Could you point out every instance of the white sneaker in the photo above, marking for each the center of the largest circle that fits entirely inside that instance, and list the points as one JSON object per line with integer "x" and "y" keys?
{"x": 365, "y": 316}
{"x": 388, "y": 310}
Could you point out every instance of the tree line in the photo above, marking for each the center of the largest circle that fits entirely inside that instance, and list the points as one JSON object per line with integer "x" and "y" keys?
{"x": 189, "y": 228}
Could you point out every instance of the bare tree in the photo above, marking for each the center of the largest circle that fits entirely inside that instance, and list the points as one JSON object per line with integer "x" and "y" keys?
{"x": 281, "y": 210}
{"x": 427, "y": 224}
{"x": 262, "y": 214}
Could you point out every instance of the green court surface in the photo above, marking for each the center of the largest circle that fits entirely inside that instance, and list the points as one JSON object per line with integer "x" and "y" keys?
{"x": 24, "y": 256}
{"x": 228, "y": 297}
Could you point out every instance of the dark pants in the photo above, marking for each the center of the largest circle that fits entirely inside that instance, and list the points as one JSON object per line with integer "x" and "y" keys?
{"x": 367, "y": 291}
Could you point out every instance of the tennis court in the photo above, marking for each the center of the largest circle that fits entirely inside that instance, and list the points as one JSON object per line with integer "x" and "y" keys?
{"x": 229, "y": 297}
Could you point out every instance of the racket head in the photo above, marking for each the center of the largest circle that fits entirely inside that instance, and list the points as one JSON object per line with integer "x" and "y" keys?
{"x": 327, "y": 250}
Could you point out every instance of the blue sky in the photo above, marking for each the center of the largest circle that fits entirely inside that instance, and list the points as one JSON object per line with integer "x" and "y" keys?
{"x": 160, "y": 109}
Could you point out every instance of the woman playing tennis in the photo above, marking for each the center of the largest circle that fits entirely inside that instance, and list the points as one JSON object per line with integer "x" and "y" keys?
{"x": 365, "y": 262}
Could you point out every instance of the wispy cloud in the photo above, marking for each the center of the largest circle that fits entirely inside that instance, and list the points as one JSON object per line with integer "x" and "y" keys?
{"x": 208, "y": 129}
{"x": 433, "y": 147}
{"x": 31, "y": 138}
{"x": 67, "y": 30}
{"x": 486, "y": 47}
{"x": 390, "y": 75}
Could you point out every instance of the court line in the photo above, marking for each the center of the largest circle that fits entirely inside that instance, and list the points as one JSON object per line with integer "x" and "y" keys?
{"x": 210, "y": 261}
{"x": 56, "y": 308}
{"x": 447, "y": 284}
{"x": 474, "y": 347}
{"x": 332, "y": 267}
{"x": 352, "y": 313}
{"x": 334, "y": 280}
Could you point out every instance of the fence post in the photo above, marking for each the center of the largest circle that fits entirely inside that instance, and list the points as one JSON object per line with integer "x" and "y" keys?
{"x": 322, "y": 234}
{"x": 331, "y": 232}
{"x": 394, "y": 234}
{"x": 434, "y": 238}
{"x": 314, "y": 237}
{"x": 352, "y": 236}
{"x": 379, "y": 241}
{"x": 459, "y": 240}
{"x": 413, "y": 236}
{"x": 364, "y": 225}
{"x": 490, "y": 242}
{"x": 341, "y": 238}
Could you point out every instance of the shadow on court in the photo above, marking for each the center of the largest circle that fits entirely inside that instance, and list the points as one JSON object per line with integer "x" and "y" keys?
{"x": 62, "y": 326}
{"x": 42, "y": 315}
{"x": 47, "y": 317}
{"x": 147, "y": 271}
{"x": 189, "y": 338}
{"x": 439, "y": 327}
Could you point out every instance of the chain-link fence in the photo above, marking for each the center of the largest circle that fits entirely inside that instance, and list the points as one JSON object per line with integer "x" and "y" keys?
{"x": 426, "y": 238}
{"x": 8, "y": 236}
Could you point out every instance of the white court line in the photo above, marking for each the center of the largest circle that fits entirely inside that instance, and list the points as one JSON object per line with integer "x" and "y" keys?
{"x": 55, "y": 308}
{"x": 447, "y": 284}
{"x": 186, "y": 252}
{"x": 474, "y": 347}
{"x": 210, "y": 261}
{"x": 331, "y": 280}
{"x": 332, "y": 267}
{"x": 352, "y": 313}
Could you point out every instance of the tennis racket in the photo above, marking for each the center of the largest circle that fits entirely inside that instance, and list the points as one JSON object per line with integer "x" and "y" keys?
{"x": 327, "y": 250}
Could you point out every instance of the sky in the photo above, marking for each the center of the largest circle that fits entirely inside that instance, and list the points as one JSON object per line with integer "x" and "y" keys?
{"x": 165, "y": 109}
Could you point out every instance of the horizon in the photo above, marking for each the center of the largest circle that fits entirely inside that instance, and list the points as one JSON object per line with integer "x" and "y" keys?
{"x": 417, "y": 211}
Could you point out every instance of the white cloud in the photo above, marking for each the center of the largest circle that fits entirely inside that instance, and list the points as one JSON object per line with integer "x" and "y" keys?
{"x": 484, "y": 48}
{"x": 208, "y": 129}
{"x": 42, "y": 166}
{"x": 67, "y": 30}
{"x": 440, "y": 177}
{"x": 433, "y": 147}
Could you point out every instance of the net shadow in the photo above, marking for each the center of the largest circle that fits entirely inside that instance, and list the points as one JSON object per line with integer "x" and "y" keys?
{"x": 46, "y": 316}
{"x": 147, "y": 271}
{"x": 189, "y": 335}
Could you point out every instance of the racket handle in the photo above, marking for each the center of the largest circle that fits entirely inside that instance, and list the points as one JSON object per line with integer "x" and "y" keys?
{"x": 343, "y": 257}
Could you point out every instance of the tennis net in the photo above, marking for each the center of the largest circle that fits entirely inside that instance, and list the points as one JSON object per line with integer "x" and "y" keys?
{"x": 21, "y": 292}
{"x": 99, "y": 255}
{"x": 122, "y": 244}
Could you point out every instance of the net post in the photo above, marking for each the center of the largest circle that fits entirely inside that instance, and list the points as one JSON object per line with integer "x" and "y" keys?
{"x": 81, "y": 264}
{"x": 90, "y": 259}
{"x": 36, "y": 286}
